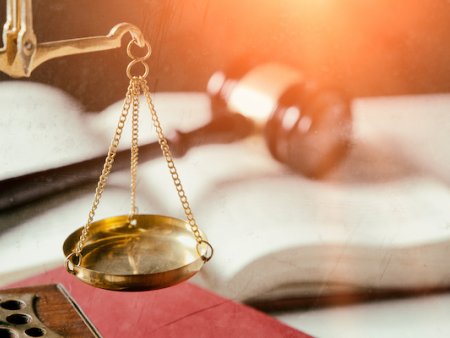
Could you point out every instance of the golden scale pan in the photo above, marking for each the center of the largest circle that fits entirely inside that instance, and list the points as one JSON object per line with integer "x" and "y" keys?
{"x": 157, "y": 252}
{"x": 137, "y": 252}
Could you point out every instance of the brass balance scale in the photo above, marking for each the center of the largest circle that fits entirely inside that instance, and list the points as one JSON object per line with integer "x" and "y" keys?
{"x": 130, "y": 252}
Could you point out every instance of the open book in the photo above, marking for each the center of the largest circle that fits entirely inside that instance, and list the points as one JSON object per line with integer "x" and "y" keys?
{"x": 380, "y": 220}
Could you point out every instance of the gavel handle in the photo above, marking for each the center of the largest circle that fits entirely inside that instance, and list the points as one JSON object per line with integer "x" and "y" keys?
{"x": 23, "y": 189}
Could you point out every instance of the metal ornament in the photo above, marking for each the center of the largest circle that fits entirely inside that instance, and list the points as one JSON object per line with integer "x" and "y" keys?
{"x": 22, "y": 53}
{"x": 137, "y": 252}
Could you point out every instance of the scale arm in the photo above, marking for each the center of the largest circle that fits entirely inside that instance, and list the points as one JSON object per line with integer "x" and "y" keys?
{"x": 21, "y": 53}
{"x": 50, "y": 50}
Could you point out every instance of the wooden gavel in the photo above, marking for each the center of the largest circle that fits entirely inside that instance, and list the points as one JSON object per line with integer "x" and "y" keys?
{"x": 311, "y": 149}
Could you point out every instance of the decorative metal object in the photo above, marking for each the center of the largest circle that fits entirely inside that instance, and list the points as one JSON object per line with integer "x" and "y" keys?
{"x": 18, "y": 317}
{"x": 22, "y": 53}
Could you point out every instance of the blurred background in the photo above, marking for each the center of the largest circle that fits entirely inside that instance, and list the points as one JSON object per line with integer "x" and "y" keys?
{"x": 367, "y": 48}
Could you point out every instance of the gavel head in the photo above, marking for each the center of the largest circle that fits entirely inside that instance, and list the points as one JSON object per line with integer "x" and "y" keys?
{"x": 310, "y": 129}
{"x": 307, "y": 128}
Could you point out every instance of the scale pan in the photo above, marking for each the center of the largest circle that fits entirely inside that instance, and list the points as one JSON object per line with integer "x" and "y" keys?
{"x": 156, "y": 252}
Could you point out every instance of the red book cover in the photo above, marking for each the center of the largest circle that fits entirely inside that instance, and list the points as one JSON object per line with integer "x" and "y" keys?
{"x": 184, "y": 310}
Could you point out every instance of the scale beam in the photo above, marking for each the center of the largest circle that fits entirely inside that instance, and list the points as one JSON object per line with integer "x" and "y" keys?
{"x": 22, "y": 53}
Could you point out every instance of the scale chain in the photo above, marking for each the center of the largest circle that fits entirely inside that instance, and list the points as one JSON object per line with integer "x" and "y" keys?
{"x": 138, "y": 85}
{"x": 106, "y": 168}
{"x": 134, "y": 150}
{"x": 170, "y": 163}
